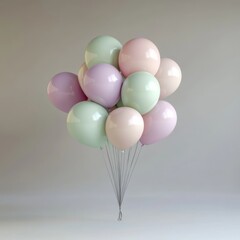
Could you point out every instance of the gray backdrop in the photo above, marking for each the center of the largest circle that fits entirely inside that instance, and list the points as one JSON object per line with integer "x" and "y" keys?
{"x": 184, "y": 187}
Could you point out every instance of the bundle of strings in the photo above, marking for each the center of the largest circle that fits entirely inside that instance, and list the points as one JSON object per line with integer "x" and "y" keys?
{"x": 120, "y": 165}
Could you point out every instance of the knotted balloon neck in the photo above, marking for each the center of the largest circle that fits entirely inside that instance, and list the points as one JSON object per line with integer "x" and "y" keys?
{"x": 120, "y": 214}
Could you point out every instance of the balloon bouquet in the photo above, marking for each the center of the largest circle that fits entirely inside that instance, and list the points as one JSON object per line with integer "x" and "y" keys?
{"x": 115, "y": 102}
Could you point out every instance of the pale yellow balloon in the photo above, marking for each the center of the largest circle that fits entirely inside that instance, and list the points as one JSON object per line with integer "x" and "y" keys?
{"x": 81, "y": 74}
{"x": 124, "y": 127}
{"x": 169, "y": 76}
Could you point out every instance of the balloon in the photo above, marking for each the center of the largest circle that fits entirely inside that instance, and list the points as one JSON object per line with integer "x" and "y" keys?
{"x": 169, "y": 76}
{"x": 102, "y": 84}
{"x": 64, "y": 91}
{"x": 81, "y": 74}
{"x": 86, "y": 122}
{"x": 140, "y": 91}
{"x": 158, "y": 123}
{"x": 102, "y": 49}
{"x": 124, "y": 127}
{"x": 139, "y": 54}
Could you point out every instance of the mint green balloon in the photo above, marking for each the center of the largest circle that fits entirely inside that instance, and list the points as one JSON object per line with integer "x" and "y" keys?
{"x": 86, "y": 122}
{"x": 140, "y": 91}
{"x": 102, "y": 49}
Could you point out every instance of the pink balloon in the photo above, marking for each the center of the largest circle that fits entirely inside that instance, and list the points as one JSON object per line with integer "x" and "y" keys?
{"x": 124, "y": 127}
{"x": 169, "y": 76}
{"x": 102, "y": 84}
{"x": 158, "y": 123}
{"x": 137, "y": 55}
{"x": 64, "y": 91}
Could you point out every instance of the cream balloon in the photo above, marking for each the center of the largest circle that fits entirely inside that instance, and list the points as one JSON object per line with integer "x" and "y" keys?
{"x": 169, "y": 76}
{"x": 81, "y": 74}
{"x": 124, "y": 127}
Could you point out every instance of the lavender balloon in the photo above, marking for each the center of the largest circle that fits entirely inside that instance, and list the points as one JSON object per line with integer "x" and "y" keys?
{"x": 158, "y": 123}
{"x": 102, "y": 84}
{"x": 64, "y": 91}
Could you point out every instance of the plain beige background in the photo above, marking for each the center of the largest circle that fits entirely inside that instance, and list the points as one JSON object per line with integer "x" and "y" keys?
{"x": 185, "y": 187}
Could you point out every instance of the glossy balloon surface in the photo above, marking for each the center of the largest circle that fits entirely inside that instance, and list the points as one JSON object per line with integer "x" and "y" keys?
{"x": 158, "y": 123}
{"x": 124, "y": 127}
{"x": 102, "y": 84}
{"x": 86, "y": 123}
{"x": 140, "y": 91}
{"x": 64, "y": 91}
{"x": 81, "y": 74}
{"x": 139, "y": 54}
{"x": 102, "y": 49}
{"x": 169, "y": 76}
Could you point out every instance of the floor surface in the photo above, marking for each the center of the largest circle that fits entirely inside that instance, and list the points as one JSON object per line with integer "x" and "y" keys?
{"x": 165, "y": 217}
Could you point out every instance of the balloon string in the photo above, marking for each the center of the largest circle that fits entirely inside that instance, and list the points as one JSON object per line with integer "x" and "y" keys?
{"x": 134, "y": 162}
{"x": 120, "y": 166}
{"x": 110, "y": 171}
